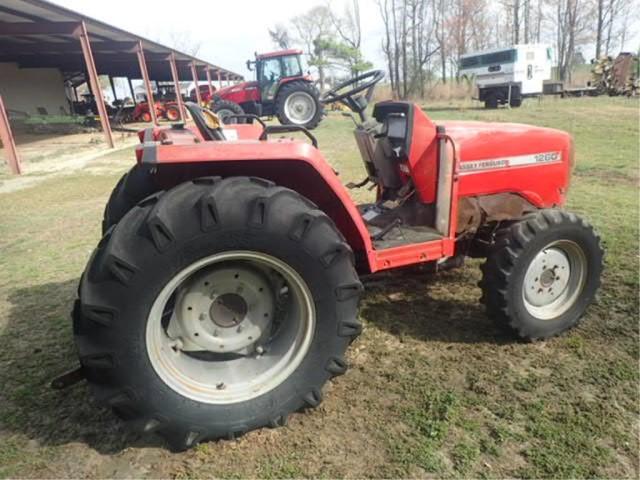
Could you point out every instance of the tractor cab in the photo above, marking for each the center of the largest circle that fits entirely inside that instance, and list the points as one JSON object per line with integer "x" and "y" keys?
{"x": 275, "y": 68}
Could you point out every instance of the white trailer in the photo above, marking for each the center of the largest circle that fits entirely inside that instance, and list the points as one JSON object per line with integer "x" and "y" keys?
{"x": 507, "y": 75}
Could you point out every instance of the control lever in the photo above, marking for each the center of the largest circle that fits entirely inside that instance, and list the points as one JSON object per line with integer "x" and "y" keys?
{"x": 352, "y": 185}
{"x": 380, "y": 235}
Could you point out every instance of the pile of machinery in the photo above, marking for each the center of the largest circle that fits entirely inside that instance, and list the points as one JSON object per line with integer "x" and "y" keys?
{"x": 617, "y": 76}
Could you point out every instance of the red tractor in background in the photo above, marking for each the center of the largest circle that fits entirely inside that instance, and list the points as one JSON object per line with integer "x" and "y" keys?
{"x": 164, "y": 110}
{"x": 281, "y": 89}
{"x": 224, "y": 292}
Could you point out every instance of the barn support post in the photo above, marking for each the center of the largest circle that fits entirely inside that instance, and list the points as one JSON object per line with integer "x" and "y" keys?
{"x": 194, "y": 73}
{"x": 94, "y": 82}
{"x": 210, "y": 83}
{"x": 133, "y": 92}
{"x": 147, "y": 83}
{"x": 113, "y": 88}
{"x": 219, "y": 79}
{"x": 8, "y": 142}
{"x": 228, "y": 82}
{"x": 176, "y": 85}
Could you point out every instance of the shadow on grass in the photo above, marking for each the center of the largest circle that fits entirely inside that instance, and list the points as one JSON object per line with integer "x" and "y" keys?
{"x": 402, "y": 304}
{"x": 37, "y": 346}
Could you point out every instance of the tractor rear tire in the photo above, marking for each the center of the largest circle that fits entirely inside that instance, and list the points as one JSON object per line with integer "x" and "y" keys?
{"x": 132, "y": 187}
{"x": 233, "y": 235}
{"x": 542, "y": 273}
{"x": 298, "y": 103}
{"x": 224, "y": 108}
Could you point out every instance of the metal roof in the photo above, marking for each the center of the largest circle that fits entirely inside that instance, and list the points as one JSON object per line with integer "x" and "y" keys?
{"x": 39, "y": 34}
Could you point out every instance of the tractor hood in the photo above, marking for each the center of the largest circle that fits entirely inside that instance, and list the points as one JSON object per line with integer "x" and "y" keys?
{"x": 494, "y": 143}
{"x": 240, "y": 92}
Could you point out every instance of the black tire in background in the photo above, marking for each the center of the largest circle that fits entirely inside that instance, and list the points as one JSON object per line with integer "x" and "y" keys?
{"x": 491, "y": 102}
{"x": 292, "y": 88}
{"x": 170, "y": 230}
{"x": 515, "y": 102}
{"x": 516, "y": 248}
{"x": 223, "y": 108}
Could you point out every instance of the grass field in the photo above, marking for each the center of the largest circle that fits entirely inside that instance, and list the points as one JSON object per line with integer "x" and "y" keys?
{"x": 434, "y": 389}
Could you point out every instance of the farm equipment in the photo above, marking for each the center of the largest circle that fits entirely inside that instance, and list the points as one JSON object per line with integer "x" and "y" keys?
{"x": 164, "y": 110}
{"x": 617, "y": 76}
{"x": 224, "y": 291}
{"x": 281, "y": 89}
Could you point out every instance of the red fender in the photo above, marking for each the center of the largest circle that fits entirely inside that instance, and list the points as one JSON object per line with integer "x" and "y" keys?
{"x": 289, "y": 163}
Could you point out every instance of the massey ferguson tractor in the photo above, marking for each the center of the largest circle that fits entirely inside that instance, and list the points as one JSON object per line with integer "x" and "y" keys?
{"x": 224, "y": 292}
{"x": 281, "y": 89}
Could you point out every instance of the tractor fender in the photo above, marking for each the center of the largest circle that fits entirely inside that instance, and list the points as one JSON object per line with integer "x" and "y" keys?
{"x": 288, "y": 163}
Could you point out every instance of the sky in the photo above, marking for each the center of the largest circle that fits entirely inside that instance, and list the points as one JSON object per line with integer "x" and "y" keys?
{"x": 230, "y": 31}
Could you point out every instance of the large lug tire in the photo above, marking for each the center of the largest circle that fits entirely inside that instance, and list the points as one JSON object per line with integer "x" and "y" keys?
{"x": 542, "y": 273}
{"x": 224, "y": 108}
{"x": 202, "y": 236}
{"x": 132, "y": 187}
{"x": 298, "y": 103}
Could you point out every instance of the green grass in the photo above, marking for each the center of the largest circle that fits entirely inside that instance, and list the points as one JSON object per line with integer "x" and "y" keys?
{"x": 435, "y": 388}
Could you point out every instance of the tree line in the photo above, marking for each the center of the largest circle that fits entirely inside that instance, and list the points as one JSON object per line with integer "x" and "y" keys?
{"x": 422, "y": 41}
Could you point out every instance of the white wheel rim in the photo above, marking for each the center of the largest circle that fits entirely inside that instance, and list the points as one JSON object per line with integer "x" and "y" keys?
{"x": 300, "y": 108}
{"x": 230, "y": 327}
{"x": 554, "y": 280}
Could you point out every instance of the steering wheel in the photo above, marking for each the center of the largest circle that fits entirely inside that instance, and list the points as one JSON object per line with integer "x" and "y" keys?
{"x": 207, "y": 122}
{"x": 363, "y": 83}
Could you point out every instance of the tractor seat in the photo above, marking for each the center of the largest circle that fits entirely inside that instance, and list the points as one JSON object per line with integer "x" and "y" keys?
{"x": 390, "y": 149}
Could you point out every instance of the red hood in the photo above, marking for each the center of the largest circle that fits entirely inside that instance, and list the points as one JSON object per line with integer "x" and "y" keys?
{"x": 238, "y": 87}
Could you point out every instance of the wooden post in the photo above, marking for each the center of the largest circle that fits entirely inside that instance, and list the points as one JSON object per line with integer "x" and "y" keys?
{"x": 176, "y": 85}
{"x": 147, "y": 83}
{"x": 113, "y": 88}
{"x": 94, "y": 82}
{"x": 219, "y": 79}
{"x": 194, "y": 74}
{"x": 8, "y": 142}
{"x": 210, "y": 84}
{"x": 133, "y": 92}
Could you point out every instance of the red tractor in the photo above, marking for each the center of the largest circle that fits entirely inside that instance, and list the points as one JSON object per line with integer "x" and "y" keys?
{"x": 224, "y": 292}
{"x": 282, "y": 89}
{"x": 164, "y": 110}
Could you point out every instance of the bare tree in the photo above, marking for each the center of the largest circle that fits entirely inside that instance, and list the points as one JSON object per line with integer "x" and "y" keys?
{"x": 312, "y": 29}
{"x": 280, "y": 36}
{"x": 408, "y": 44}
{"x": 183, "y": 41}
{"x": 573, "y": 24}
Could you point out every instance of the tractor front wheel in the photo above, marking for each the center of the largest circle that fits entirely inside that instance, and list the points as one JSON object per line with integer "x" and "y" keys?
{"x": 298, "y": 104}
{"x": 226, "y": 108}
{"x": 215, "y": 308}
{"x": 542, "y": 273}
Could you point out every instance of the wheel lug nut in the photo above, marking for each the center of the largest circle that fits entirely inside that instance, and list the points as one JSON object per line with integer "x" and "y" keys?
{"x": 220, "y": 386}
{"x": 259, "y": 350}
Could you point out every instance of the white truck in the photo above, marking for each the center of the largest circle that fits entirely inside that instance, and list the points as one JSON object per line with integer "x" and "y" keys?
{"x": 507, "y": 75}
